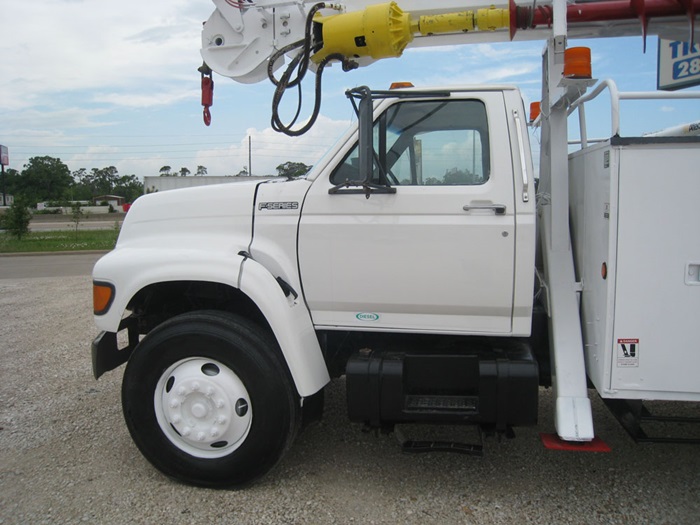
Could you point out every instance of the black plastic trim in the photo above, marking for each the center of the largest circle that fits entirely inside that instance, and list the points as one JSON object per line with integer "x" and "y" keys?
{"x": 616, "y": 140}
{"x": 106, "y": 354}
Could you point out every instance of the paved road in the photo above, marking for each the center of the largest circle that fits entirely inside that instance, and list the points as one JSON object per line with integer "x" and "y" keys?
{"x": 65, "y": 265}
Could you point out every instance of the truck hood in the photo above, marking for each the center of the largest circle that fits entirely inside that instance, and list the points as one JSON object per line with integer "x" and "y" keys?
{"x": 192, "y": 218}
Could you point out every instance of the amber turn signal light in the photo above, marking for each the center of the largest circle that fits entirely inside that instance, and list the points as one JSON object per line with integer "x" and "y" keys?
{"x": 102, "y": 297}
{"x": 401, "y": 85}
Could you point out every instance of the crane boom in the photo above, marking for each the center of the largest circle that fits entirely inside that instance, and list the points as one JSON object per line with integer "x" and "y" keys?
{"x": 241, "y": 37}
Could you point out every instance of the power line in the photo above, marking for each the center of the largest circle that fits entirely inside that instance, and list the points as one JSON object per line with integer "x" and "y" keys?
{"x": 190, "y": 144}
{"x": 316, "y": 149}
{"x": 19, "y": 160}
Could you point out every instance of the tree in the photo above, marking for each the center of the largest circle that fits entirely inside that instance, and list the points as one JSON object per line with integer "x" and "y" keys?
{"x": 12, "y": 182}
{"x": 77, "y": 215}
{"x": 165, "y": 171}
{"x": 43, "y": 179}
{"x": 105, "y": 181}
{"x": 80, "y": 189}
{"x": 184, "y": 172}
{"x": 292, "y": 169}
{"x": 129, "y": 187}
{"x": 101, "y": 181}
{"x": 201, "y": 171}
{"x": 243, "y": 172}
{"x": 457, "y": 176}
{"x": 16, "y": 219}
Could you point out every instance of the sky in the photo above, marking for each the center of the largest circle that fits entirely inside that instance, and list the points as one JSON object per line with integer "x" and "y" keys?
{"x": 98, "y": 83}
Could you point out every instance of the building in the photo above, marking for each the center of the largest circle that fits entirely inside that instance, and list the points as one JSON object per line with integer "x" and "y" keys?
{"x": 113, "y": 200}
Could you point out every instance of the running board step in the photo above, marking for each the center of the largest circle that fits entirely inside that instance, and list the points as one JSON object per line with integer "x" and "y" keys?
{"x": 443, "y": 443}
{"x": 632, "y": 413}
{"x": 442, "y": 446}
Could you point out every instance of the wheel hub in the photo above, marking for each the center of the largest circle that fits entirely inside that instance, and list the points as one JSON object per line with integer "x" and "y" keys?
{"x": 199, "y": 406}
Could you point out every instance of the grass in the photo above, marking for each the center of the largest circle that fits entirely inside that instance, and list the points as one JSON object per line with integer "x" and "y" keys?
{"x": 59, "y": 241}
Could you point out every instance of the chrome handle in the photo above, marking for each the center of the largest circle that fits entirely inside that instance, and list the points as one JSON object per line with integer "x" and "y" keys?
{"x": 521, "y": 153}
{"x": 499, "y": 209}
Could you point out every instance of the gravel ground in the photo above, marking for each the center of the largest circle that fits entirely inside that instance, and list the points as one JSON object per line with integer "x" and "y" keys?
{"x": 66, "y": 456}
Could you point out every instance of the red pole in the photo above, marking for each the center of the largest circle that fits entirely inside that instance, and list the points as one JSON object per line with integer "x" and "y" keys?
{"x": 524, "y": 17}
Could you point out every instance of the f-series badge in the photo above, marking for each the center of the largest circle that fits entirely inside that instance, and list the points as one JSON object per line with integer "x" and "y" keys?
{"x": 278, "y": 206}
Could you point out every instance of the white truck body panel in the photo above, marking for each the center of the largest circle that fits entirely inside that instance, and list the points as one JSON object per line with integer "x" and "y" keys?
{"x": 196, "y": 235}
{"x": 190, "y": 234}
{"x": 415, "y": 260}
{"x": 277, "y": 208}
{"x": 291, "y": 325}
{"x": 634, "y": 208}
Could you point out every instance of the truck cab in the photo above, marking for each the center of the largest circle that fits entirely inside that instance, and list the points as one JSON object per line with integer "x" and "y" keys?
{"x": 405, "y": 260}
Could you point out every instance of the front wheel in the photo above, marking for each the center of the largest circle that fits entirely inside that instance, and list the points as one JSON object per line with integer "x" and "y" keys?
{"x": 208, "y": 400}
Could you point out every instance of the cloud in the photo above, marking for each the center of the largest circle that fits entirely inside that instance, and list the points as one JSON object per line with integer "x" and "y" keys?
{"x": 156, "y": 97}
{"x": 161, "y": 34}
{"x": 145, "y": 155}
{"x": 92, "y": 157}
{"x": 269, "y": 149}
{"x": 431, "y": 50}
{"x": 115, "y": 83}
{"x": 74, "y": 46}
{"x": 37, "y": 122}
{"x": 484, "y": 74}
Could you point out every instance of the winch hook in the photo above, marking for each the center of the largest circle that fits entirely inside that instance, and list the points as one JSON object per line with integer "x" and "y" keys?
{"x": 207, "y": 91}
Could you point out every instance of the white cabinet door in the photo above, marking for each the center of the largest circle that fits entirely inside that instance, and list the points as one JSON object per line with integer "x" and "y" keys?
{"x": 436, "y": 255}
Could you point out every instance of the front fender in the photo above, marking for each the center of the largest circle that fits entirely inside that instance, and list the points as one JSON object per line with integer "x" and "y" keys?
{"x": 291, "y": 323}
{"x": 131, "y": 270}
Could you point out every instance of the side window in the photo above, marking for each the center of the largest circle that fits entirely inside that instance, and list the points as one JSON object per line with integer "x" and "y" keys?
{"x": 426, "y": 143}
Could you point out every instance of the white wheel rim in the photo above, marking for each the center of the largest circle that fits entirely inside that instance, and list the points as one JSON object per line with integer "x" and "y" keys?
{"x": 203, "y": 407}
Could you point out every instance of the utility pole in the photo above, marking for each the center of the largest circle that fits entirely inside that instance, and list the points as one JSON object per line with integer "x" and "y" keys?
{"x": 4, "y": 202}
{"x": 4, "y": 160}
{"x": 250, "y": 157}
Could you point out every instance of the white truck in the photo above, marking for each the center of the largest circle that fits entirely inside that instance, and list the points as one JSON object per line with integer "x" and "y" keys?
{"x": 419, "y": 258}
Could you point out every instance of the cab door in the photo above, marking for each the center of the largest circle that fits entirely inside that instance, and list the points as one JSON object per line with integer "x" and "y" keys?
{"x": 437, "y": 253}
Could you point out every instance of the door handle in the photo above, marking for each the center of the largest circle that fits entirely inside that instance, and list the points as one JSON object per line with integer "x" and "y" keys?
{"x": 498, "y": 209}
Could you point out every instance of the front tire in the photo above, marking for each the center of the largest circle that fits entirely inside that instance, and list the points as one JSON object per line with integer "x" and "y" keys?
{"x": 208, "y": 400}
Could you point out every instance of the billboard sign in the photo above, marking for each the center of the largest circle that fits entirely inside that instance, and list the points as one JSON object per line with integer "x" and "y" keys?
{"x": 4, "y": 156}
{"x": 678, "y": 65}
